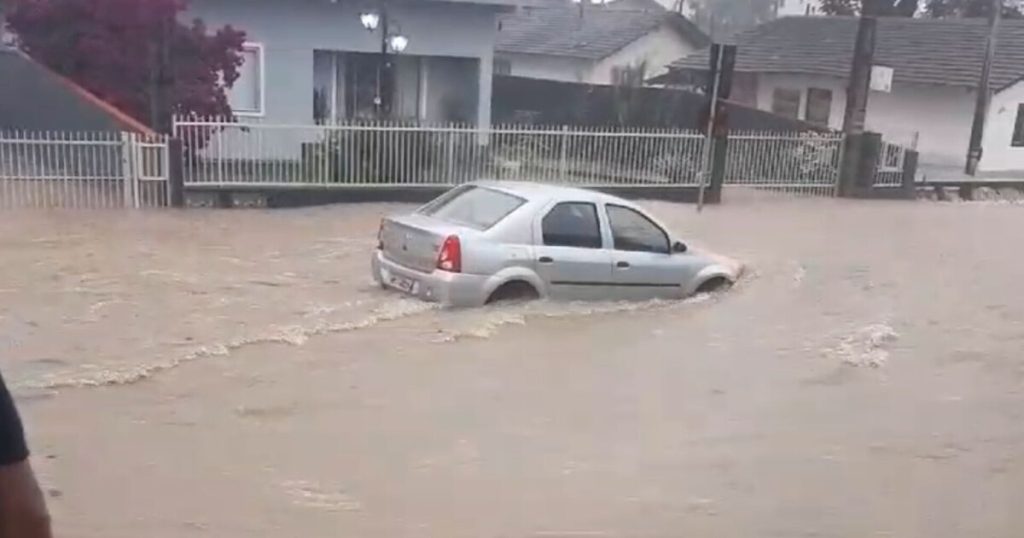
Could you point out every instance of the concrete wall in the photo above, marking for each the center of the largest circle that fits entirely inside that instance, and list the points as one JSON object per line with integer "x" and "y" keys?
{"x": 290, "y": 30}
{"x": 939, "y": 117}
{"x": 997, "y": 153}
{"x": 560, "y": 68}
{"x": 659, "y": 48}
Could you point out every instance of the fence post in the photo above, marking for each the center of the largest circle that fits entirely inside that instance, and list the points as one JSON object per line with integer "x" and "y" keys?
{"x": 175, "y": 175}
{"x": 870, "y": 153}
{"x": 127, "y": 172}
{"x": 860, "y": 161}
{"x": 563, "y": 161}
{"x": 450, "y": 157}
{"x": 220, "y": 153}
{"x": 910, "y": 174}
{"x": 719, "y": 151}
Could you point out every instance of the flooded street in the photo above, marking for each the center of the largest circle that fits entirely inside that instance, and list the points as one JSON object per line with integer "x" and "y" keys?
{"x": 237, "y": 374}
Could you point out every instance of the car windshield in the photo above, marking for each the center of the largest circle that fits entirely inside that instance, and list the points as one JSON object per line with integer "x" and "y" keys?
{"x": 475, "y": 207}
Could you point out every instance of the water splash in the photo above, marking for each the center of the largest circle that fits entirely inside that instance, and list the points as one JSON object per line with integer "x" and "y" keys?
{"x": 89, "y": 375}
{"x": 474, "y": 325}
{"x": 311, "y": 495}
{"x": 866, "y": 346}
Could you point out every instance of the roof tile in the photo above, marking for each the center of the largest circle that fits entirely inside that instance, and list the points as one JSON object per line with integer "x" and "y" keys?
{"x": 922, "y": 51}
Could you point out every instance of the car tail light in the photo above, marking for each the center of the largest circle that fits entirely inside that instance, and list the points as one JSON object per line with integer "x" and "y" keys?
{"x": 450, "y": 257}
{"x": 380, "y": 236}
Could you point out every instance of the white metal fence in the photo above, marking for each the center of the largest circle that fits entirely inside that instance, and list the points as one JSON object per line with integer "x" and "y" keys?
{"x": 891, "y": 160}
{"x": 802, "y": 163}
{"x": 82, "y": 170}
{"x": 218, "y": 151}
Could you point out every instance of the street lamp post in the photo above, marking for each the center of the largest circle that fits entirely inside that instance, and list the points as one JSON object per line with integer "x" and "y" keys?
{"x": 389, "y": 42}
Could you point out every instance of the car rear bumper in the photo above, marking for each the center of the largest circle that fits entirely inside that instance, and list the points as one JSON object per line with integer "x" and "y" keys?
{"x": 455, "y": 289}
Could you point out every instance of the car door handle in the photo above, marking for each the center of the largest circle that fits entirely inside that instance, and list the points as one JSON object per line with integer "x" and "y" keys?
{"x": 622, "y": 265}
{"x": 545, "y": 259}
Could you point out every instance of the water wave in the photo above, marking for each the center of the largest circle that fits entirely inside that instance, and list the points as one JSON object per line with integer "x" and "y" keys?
{"x": 296, "y": 335}
{"x": 485, "y": 324}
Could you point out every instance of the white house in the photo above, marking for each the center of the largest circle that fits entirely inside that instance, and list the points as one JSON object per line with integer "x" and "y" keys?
{"x": 594, "y": 43}
{"x": 799, "y": 67}
{"x": 795, "y": 8}
{"x": 312, "y": 60}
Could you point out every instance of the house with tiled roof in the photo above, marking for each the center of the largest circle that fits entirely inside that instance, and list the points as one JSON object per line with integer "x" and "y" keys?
{"x": 592, "y": 42}
{"x": 799, "y": 67}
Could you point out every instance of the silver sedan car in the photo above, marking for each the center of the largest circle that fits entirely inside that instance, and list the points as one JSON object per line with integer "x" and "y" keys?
{"x": 489, "y": 241}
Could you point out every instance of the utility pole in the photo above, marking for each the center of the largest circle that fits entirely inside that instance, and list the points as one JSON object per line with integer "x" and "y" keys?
{"x": 984, "y": 93}
{"x": 860, "y": 70}
{"x": 857, "y": 99}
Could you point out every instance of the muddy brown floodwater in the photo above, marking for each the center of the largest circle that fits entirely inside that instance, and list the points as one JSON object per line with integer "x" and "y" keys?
{"x": 236, "y": 374}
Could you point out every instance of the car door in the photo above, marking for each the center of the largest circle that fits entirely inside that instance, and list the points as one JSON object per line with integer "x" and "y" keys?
{"x": 570, "y": 253}
{"x": 643, "y": 265}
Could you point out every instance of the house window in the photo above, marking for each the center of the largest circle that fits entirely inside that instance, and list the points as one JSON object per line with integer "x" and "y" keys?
{"x": 819, "y": 106}
{"x": 786, "y": 102}
{"x": 502, "y": 66}
{"x": 1018, "y": 128}
{"x": 246, "y": 95}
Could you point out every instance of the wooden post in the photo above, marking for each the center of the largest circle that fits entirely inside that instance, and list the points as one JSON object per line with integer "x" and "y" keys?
{"x": 910, "y": 174}
{"x": 175, "y": 177}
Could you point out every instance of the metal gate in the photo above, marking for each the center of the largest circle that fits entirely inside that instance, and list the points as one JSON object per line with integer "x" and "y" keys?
{"x": 891, "y": 161}
{"x": 82, "y": 170}
{"x": 799, "y": 163}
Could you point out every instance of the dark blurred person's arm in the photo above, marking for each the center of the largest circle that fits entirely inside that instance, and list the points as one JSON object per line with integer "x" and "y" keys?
{"x": 22, "y": 507}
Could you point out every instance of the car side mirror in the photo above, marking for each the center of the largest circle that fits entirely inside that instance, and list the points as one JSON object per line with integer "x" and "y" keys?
{"x": 678, "y": 247}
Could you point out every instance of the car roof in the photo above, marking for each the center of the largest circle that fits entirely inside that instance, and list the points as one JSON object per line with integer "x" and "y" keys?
{"x": 542, "y": 192}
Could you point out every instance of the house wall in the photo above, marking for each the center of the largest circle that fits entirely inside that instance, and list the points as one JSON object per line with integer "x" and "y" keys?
{"x": 938, "y": 117}
{"x": 560, "y": 68}
{"x": 659, "y": 48}
{"x": 290, "y": 30}
{"x": 997, "y": 153}
{"x": 789, "y": 8}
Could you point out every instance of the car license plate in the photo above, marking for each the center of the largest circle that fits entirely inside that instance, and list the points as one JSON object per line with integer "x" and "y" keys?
{"x": 407, "y": 285}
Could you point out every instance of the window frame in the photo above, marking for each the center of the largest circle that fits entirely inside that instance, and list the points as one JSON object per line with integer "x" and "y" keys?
{"x": 828, "y": 109}
{"x": 597, "y": 220}
{"x": 262, "y": 83}
{"x": 611, "y": 230}
{"x": 1017, "y": 135}
{"x": 502, "y": 66}
{"x": 799, "y": 97}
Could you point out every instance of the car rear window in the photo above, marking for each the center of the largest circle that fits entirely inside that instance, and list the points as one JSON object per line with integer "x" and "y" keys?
{"x": 472, "y": 206}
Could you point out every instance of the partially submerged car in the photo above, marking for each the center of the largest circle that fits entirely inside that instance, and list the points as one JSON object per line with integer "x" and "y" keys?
{"x": 488, "y": 241}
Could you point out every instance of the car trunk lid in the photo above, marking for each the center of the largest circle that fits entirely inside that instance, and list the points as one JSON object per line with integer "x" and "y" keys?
{"x": 415, "y": 240}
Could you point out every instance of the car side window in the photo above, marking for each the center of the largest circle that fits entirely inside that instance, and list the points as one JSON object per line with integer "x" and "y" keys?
{"x": 572, "y": 224}
{"x": 632, "y": 231}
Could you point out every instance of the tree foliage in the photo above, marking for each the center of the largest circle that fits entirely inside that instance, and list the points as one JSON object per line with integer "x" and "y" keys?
{"x": 941, "y": 9}
{"x": 839, "y": 7}
{"x": 724, "y": 18}
{"x": 938, "y": 9}
{"x": 135, "y": 54}
{"x": 883, "y": 8}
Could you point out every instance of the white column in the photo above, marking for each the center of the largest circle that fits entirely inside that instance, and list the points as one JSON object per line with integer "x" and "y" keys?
{"x": 483, "y": 105}
{"x": 424, "y": 74}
